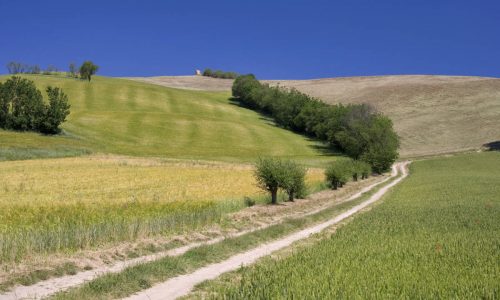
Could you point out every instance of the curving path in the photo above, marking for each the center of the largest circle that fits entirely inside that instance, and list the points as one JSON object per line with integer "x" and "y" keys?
{"x": 51, "y": 286}
{"x": 182, "y": 285}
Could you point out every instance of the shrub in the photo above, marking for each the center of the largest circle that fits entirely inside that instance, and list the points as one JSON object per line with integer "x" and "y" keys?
{"x": 293, "y": 180}
{"x": 21, "y": 104}
{"x": 219, "y": 74}
{"x": 22, "y": 107}
{"x": 270, "y": 175}
{"x": 56, "y": 112}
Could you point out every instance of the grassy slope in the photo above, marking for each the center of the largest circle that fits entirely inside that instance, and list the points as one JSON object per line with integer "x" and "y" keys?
{"x": 131, "y": 118}
{"x": 432, "y": 114}
{"x": 437, "y": 235}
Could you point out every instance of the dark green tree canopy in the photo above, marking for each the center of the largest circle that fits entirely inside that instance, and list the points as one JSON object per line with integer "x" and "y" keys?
{"x": 358, "y": 130}
{"x": 22, "y": 107}
{"x": 88, "y": 69}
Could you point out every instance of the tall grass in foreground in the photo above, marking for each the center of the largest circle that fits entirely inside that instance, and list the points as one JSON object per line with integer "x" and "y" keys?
{"x": 68, "y": 204}
{"x": 437, "y": 235}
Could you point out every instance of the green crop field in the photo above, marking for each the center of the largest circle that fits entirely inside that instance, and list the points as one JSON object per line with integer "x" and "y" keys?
{"x": 132, "y": 118}
{"x": 436, "y": 235}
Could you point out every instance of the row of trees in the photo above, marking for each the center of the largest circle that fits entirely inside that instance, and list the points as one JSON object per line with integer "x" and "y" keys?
{"x": 273, "y": 174}
{"x": 20, "y": 68}
{"x": 219, "y": 74}
{"x": 22, "y": 107}
{"x": 339, "y": 173}
{"x": 358, "y": 130}
{"x": 86, "y": 70}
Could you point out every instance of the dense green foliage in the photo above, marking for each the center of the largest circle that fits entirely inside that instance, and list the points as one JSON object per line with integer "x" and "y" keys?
{"x": 274, "y": 173}
{"x": 436, "y": 235}
{"x": 219, "y": 74}
{"x": 340, "y": 172}
{"x": 358, "y": 130}
{"x": 22, "y": 107}
{"x": 87, "y": 69}
{"x": 294, "y": 182}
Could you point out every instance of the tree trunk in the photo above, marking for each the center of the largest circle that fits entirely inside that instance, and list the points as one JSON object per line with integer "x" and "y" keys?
{"x": 290, "y": 197}
{"x": 274, "y": 196}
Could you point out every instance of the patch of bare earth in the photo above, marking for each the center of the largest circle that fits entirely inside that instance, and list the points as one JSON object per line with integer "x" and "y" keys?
{"x": 200, "y": 83}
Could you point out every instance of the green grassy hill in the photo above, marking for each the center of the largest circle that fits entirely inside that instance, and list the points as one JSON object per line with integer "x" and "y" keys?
{"x": 432, "y": 114}
{"x": 125, "y": 117}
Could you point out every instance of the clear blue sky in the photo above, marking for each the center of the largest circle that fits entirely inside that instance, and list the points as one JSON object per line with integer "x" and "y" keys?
{"x": 272, "y": 39}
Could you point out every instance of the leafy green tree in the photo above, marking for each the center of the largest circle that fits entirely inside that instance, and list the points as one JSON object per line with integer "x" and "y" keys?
{"x": 88, "y": 69}
{"x": 293, "y": 181}
{"x": 269, "y": 173}
{"x": 207, "y": 72}
{"x": 338, "y": 173}
{"x": 55, "y": 112}
{"x": 382, "y": 146}
{"x": 21, "y": 104}
{"x": 242, "y": 88}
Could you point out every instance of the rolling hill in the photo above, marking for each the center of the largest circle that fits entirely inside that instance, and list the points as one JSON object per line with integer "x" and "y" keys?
{"x": 432, "y": 114}
{"x": 125, "y": 117}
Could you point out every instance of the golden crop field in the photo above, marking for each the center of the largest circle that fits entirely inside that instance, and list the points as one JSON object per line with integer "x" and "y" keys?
{"x": 72, "y": 203}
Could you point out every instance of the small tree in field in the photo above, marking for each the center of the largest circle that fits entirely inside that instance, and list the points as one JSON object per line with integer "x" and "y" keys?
{"x": 88, "y": 69}
{"x": 294, "y": 180}
{"x": 56, "y": 112}
{"x": 338, "y": 173}
{"x": 269, "y": 174}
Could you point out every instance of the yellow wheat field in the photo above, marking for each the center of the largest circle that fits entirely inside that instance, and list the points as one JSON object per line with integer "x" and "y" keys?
{"x": 71, "y": 203}
{"x": 106, "y": 180}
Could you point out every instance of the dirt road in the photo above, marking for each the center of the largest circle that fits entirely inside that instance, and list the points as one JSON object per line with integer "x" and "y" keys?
{"x": 54, "y": 285}
{"x": 182, "y": 285}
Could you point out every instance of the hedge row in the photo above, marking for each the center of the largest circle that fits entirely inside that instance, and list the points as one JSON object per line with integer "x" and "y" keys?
{"x": 339, "y": 173}
{"x": 219, "y": 74}
{"x": 358, "y": 130}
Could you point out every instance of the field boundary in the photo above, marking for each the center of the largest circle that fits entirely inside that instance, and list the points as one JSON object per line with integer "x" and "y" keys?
{"x": 183, "y": 284}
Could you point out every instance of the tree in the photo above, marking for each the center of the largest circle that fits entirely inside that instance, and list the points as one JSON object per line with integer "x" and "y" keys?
{"x": 72, "y": 70}
{"x": 338, "y": 173}
{"x": 242, "y": 89}
{"x": 293, "y": 181}
{"x": 88, "y": 69}
{"x": 382, "y": 144}
{"x": 14, "y": 67}
{"x": 21, "y": 104}
{"x": 55, "y": 112}
{"x": 269, "y": 174}
{"x": 208, "y": 72}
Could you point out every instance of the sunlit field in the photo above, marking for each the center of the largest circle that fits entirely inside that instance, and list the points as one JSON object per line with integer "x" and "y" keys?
{"x": 436, "y": 235}
{"x": 125, "y": 117}
{"x": 72, "y": 203}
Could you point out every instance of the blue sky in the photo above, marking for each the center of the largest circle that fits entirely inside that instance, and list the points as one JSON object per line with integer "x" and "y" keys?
{"x": 272, "y": 39}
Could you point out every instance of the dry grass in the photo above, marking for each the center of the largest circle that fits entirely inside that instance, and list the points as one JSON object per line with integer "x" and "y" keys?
{"x": 201, "y": 83}
{"x": 432, "y": 114}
